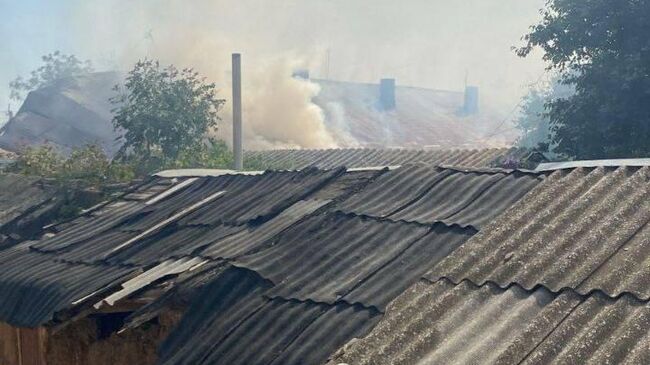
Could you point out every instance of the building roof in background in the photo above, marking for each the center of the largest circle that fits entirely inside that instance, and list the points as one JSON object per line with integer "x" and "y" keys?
{"x": 560, "y": 277}
{"x": 76, "y": 111}
{"x": 371, "y": 157}
{"x": 70, "y": 113}
{"x": 421, "y": 117}
{"x": 302, "y": 289}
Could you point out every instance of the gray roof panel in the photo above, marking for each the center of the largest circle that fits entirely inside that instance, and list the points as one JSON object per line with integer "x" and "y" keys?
{"x": 325, "y": 257}
{"x": 366, "y": 157}
{"x": 428, "y": 194}
{"x": 443, "y": 323}
{"x": 584, "y": 229}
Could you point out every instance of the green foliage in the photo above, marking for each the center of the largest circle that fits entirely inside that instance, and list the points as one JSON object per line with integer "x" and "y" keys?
{"x": 55, "y": 66}
{"x": 164, "y": 115}
{"x": 88, "y": 166}
{"x": 602, "y": 49}
{"x": 39, "y": 161}
{"x": 533, "y": 122}
{"x": 211, "y": 154}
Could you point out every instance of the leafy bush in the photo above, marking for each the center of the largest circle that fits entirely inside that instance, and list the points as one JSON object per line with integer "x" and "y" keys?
{"x": 88, "y": 165}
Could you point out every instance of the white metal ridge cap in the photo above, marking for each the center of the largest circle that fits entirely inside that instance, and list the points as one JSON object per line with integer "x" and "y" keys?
{"x": 203, "y": 173}
{"x": 219, "y": 172}
{"x": 373, "y": 168}
{"x": 636, "y": 162}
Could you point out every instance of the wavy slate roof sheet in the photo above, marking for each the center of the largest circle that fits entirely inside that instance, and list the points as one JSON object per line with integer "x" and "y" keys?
{"x": 20, "y": 193}
{"x": 364, "y": 157}
{"x": 268, "y": 194}
{"x": 444, "y": 323}
{"x": 231, "y": 318}
{"x": 306, "y": 278}
{"x": 427, "y": 194}
{"x": 599, "y": 331}
{"x": 34, "y": 287}
{"x": 327, "y": 257}
{"x": 585, "y": 229}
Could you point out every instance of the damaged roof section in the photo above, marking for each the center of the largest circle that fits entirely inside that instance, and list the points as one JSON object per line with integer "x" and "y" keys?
{"x": 301, "y": 262}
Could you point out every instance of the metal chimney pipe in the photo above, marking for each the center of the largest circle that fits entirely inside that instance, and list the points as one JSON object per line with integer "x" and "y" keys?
{"x": 236, "y": 112}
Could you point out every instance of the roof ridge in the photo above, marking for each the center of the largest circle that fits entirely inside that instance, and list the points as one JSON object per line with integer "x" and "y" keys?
{"x": 536, "y": 287}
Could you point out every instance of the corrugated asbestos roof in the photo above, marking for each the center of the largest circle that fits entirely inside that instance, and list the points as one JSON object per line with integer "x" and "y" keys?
{"x": 278, "y": 268}
{"x": 444, "y": 323}
{"x": 365, "y": 157}
{"x": 560, "y": 277}
{"x": 327, "y": 257}
{"x": 426, "y": 194}
{"x": 20, "y": 193}
{"x": 585, "y": 229}
{"x": 34, "y": 287}
{"x": 232, "y": 323}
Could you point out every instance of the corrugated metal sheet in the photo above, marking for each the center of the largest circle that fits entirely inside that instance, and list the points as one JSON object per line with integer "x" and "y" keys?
{"x": 443, "y": 323}
{"x": 179, "y": 293}
{"x": 585, "y": 229}
{"x": 266, "y": 196}
{"x": 221, "y": 241}
{"x": 84, "y": 229}
{"x": 265, "y": 334}
{"x": 360, "y": 157}
{"x": 428, "y": 194}
{"x": 325, "y": 257}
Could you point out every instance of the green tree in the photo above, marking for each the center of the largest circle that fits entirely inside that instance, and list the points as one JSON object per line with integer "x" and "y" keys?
{"x": 533, "y": 121}
{"x": 55, "y": 66}
{"x": 163, "y": 113}
{"x": 602, "y": 49}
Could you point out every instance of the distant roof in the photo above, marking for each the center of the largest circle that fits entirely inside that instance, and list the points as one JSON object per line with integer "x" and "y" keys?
{"x": 373, "y": 157}
{"x": 421, "y": 117}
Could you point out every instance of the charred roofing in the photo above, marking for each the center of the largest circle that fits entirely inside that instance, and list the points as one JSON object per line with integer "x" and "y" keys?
{"x": 422, "y": 263}
{"x": 334, "y": 269}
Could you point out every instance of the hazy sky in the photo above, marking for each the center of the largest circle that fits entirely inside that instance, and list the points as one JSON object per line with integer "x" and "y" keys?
{"x": 429, "y": 43}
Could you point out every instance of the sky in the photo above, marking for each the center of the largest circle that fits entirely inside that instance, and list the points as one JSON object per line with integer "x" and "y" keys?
{"x": 428, "y": 43}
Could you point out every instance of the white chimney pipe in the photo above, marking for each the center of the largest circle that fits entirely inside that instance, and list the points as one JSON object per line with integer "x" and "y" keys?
{"x": 236, "y": 112}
